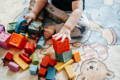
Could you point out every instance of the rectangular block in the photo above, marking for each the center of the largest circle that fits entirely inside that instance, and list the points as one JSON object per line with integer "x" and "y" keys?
{"x": 42, "y": 72}
{"x": 8, "y": 56}
{"x": 51, "y": 73}
{"x": 40, "y": 42}
{"x": 35, "y": 59}
{"x": 20, "y": 62}
{"x": 33, "y": 69}
{"x": 13, "y": 66}
{"x": 4, "y": 38}
{"x": 76, "y": 56}
{"x": 61, "y": 47}
{"x": 17, "y": 40}
{"x": 70, "y": 72}
{"x": 60, "y": 65}
{"x": 45, "y": 61}
{"x": 11, "y": 27}
{"x": 52, "y": 62}
{"x": 2, "y": 28}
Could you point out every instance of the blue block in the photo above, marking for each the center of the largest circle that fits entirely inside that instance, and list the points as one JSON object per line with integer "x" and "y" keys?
{"x": 51, "y": 73}
{"x": 41, "y": 42}
{"x": 33, "y": 69}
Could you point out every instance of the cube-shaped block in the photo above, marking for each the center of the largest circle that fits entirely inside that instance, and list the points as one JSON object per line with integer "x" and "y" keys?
{"x": 76, "y": 56}
{"x": 8, "y": 56}
{"x": 35, "y": 59}
{"x": 2, "y": 28}
{"x": 29, "y": 47}
{"x": 17, "y": 40}
{"x": 45, "y": 61}
{"x": 25, "y": 58}
{"x": 61, "y": 47}
{"x": 40, "y": 42}
{"x": 51, "y": 73}
{"x": 64, "y": 57}
{"x": 52, "y": 62}
{"x": 13, "y": 66}
{"x": 4, "y": 38}
{"x": 11, "y": 27}
{"x": 42, "y": 71}
{"x": 33, "y": 69}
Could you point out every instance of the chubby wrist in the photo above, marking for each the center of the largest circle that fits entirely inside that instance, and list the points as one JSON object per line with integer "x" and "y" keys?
{"x": 68, "y": 27}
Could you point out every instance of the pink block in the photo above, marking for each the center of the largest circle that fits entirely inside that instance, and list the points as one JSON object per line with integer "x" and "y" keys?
{"x": 2, "y": 28}
{"x": 13, "y": 66}
{"x": 4, "y": 39}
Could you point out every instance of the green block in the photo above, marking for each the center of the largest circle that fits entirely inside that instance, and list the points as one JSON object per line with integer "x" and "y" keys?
{"x": 11, "y": 27}
{"x": 64, "y": 57}
{"x": 35, "y": 59}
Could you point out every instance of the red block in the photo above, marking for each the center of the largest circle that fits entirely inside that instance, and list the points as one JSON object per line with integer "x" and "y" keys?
{"x": 52, "y": 62}
{"x": 9, "y": 56}
{"x": 29, "y": 47}
{"x": 45, "y": 61}
{"x": 61, "y": 47}
{"x": 42, "y": 71}
{"x": 17, "y": 40}
{"x": 25, "y": 58}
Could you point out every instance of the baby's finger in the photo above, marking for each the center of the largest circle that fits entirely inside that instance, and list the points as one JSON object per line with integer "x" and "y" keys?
{"x": 59, "y": 36}
{"x": 69, "y": 37}
{"x": 29, "y": 20}
{"x": 56, "y": 35}
{"x": 63, "y": 37}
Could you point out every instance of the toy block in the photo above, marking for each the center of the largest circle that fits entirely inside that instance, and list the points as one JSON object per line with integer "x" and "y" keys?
{"x": 8, "y": 56}
{"x": 33, "y": 69}
{"x": 51, "y": 73}
{"x": 25, "y": 34}
{"x": 61, "y": 47}
{"x": 64, "y": 57}
{"x": 76, "y": 56}
{"x": 29, "y": 47}
{"x": 2, "y": 28}
{"x": 40, "y": 42}
{"x": 35, "y": 59}
{"x": 35, "y": 27}
{"x": 60, "y": 65}
{"x": 45, "y": 61}
{"x": 13, "y": 66}
{"x": 42, "y": 71}
{"x": 25, "y": 58}
{"x": 70, "y": 72}
{"x": 21, "y": 26}
{"x": 52, "y": 62}
{"x": 11, "y": 27}
{"x": 4, "y": 38}
{"x": 20, "y": 62}
{"x": 17, "y": 40}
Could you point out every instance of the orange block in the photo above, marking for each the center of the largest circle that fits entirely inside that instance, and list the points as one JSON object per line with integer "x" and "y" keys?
{"x": 76, "y": 56}
{"x": 17, "y": 40}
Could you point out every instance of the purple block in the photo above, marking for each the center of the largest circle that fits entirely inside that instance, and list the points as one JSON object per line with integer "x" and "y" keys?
{"x": 13, "y": 66}
{"x": 4, "y": 39}
{"x": 2, "y": 28}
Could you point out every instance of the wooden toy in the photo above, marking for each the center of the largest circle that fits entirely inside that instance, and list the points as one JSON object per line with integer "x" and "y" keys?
{"x": 40, "y": 42}
{"x": 29, "y": 47}
{"x": 35, "y": 59}
{"x": 51, "y": 73}
{"x": 61, "y": 47}
{"x": 13, "y": 66}
{"x": 17, "y": 40}
{"x": 64, "y": 57}
{"x": 2, "y": 28}
{"x": 21, "y": 26}
{"x": 60, "y": 65}
{"x": 4, "y": 38}
{"x": 52, "y": 62}
{"x": 76, "y": 56}
{"x": 11, "y": 27}
{"x": 8, "y": 56}
{"x": 25, "y": 34}
{"x": 25, "y": 58}
{"x": 20, "y": 62}
{"x": 45, "y": 61}
{"x": 33, "y": 69}
{"x": 70, "y": 72}
{"x": 42, "y": 71}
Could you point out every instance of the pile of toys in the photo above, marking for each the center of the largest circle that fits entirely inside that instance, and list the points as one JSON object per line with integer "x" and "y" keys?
{"x": 17, "y": 36}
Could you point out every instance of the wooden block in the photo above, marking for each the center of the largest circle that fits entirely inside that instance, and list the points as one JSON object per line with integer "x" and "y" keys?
{"x": 41, "y": 42}
{"x": 45, "y": 61}
{"x": 33, "y": 69}
{"x": 70, "y": 72}
{"x": 9, "y": 56}
{"x": 35, "y": 59}
{"x": 61, "y": 47}
{"x": 52, "y": 62}
{"x": 42, "y": 71}
{"x": 4, "y": 38}
{"x": 20, "y": 62}
{"x": 76, "y": 56}
{"x": 11, "y": 27}
{"x": 13, "y": 66}
{"x": 51, "y": 73}
{"x": 17, "y": 40}
{"x": 60, "y": 65}
{"x": 2, "y": 28}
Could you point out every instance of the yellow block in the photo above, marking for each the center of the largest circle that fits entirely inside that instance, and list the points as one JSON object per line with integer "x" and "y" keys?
{"x": 20, "y": 62}
{"x": 60, "y": 65}
{"x": 70, "y": 71}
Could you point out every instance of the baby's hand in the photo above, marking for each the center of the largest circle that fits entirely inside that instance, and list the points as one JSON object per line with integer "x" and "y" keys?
{"x": 30, "y": 16}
